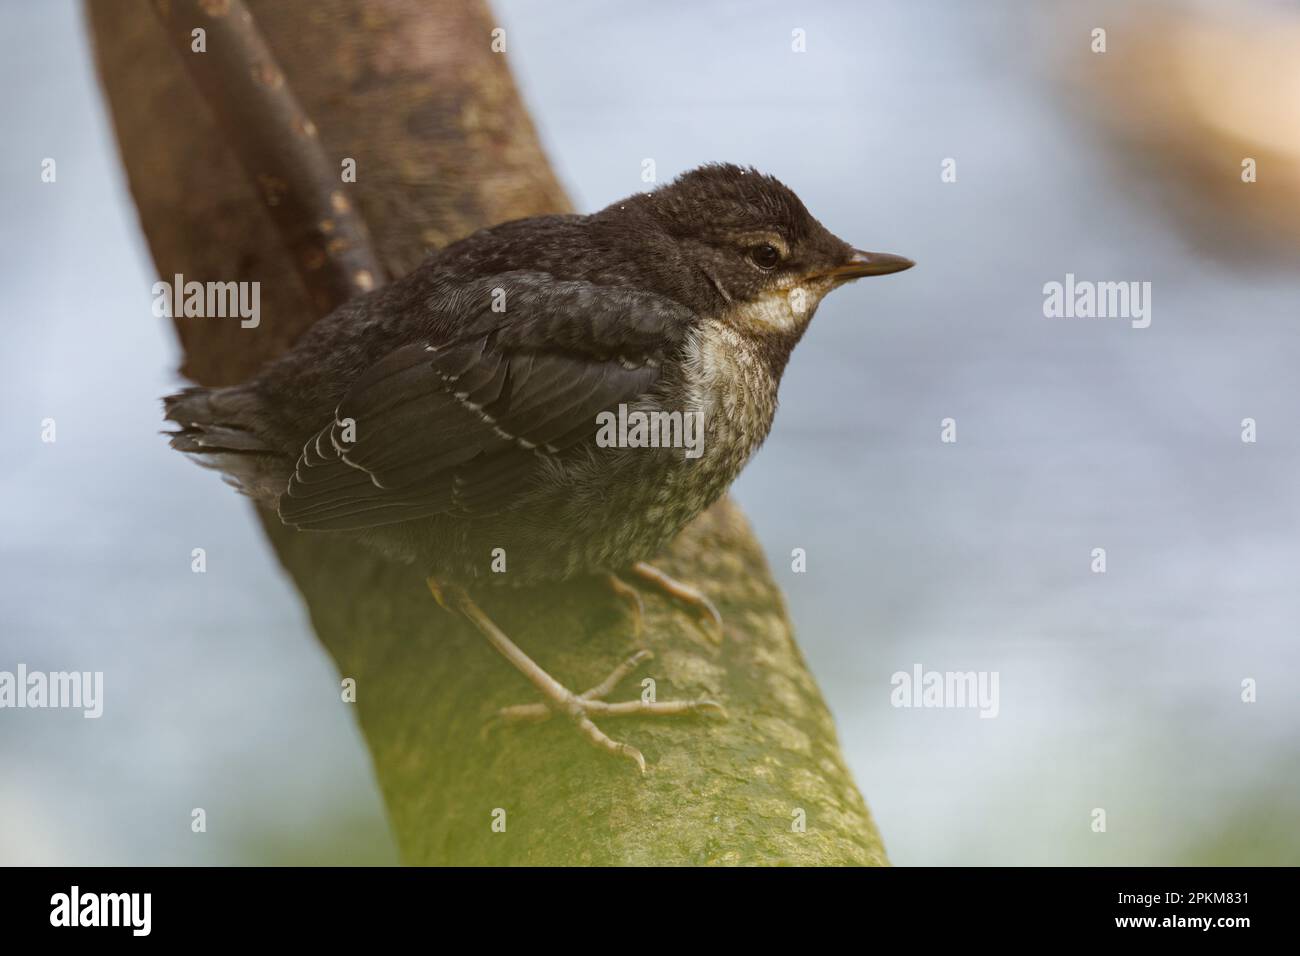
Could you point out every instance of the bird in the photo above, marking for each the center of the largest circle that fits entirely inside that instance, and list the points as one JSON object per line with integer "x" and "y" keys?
{"x": 451, "y": 416}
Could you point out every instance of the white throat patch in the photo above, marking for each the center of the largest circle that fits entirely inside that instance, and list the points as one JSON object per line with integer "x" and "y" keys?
{"x": 780, "y": 310}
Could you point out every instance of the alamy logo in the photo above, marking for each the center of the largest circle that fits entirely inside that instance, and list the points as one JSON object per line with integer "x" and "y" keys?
{"x": 652, "y": 429}
{"x": 946, "y": 689}
{"x": 57, "y": 689}
{"x": 1083, "y": 299}
{"x": 102, "y": 909}
{"x": 209, "y": 300}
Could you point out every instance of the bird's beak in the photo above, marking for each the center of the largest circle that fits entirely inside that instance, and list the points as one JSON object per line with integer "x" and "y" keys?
{"x": 862, "y": 264}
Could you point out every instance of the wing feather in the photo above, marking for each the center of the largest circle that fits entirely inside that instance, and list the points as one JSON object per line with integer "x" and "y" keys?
{"x": 461, "y": 427}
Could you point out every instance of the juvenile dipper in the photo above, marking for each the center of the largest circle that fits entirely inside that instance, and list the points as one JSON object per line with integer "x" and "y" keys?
{"x": 455, "y": 415}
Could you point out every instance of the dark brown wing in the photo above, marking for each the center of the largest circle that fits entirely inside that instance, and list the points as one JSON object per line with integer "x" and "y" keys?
{"x": 460, "y": 428}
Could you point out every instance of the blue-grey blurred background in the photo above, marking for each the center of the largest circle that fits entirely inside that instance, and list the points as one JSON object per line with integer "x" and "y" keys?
{"x": 1119, "y": 691}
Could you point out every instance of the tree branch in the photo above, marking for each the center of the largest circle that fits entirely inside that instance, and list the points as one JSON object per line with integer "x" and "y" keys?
{"x": 444, "y": 146}
{"x": 262, "y": 123}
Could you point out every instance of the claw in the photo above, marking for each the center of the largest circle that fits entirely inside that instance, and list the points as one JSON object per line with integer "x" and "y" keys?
{"x": 635, "y": 756}
{"x": 693, "y": 598}
{"x": 438, "y": 593}
{"x": 712, "y": 708}
{"x": 711, "y": 620}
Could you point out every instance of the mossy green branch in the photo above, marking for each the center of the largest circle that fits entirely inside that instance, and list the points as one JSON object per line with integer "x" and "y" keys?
{"x": 411, "y": 90}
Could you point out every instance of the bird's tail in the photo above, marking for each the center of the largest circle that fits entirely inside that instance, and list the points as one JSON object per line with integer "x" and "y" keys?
{"x": 224, "y": 429}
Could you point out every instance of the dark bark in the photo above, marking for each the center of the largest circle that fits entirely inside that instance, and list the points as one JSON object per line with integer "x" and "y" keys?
{"x": 274, "y": 140}
{"x": 411, "y": 89}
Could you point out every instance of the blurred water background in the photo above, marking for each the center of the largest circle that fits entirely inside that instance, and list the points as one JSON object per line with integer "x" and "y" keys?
{"x": 1119, "y": 691}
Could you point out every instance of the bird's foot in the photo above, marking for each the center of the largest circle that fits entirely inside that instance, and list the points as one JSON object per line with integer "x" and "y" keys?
{"x": 694, "y": 599}
{"x": 559, "y": 699}
{"x": 591, "y": 703}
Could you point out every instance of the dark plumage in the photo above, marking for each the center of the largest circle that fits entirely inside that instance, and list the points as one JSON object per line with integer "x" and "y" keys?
{"x": 455, "y": 412}
{"x": 439, "y": 429}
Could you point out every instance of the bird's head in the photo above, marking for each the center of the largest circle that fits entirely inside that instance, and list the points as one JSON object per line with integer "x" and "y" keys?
{"x": 758, "y": 248}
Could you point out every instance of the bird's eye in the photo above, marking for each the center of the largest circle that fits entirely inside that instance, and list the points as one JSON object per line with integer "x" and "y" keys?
{"x": 764, "y": 256}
